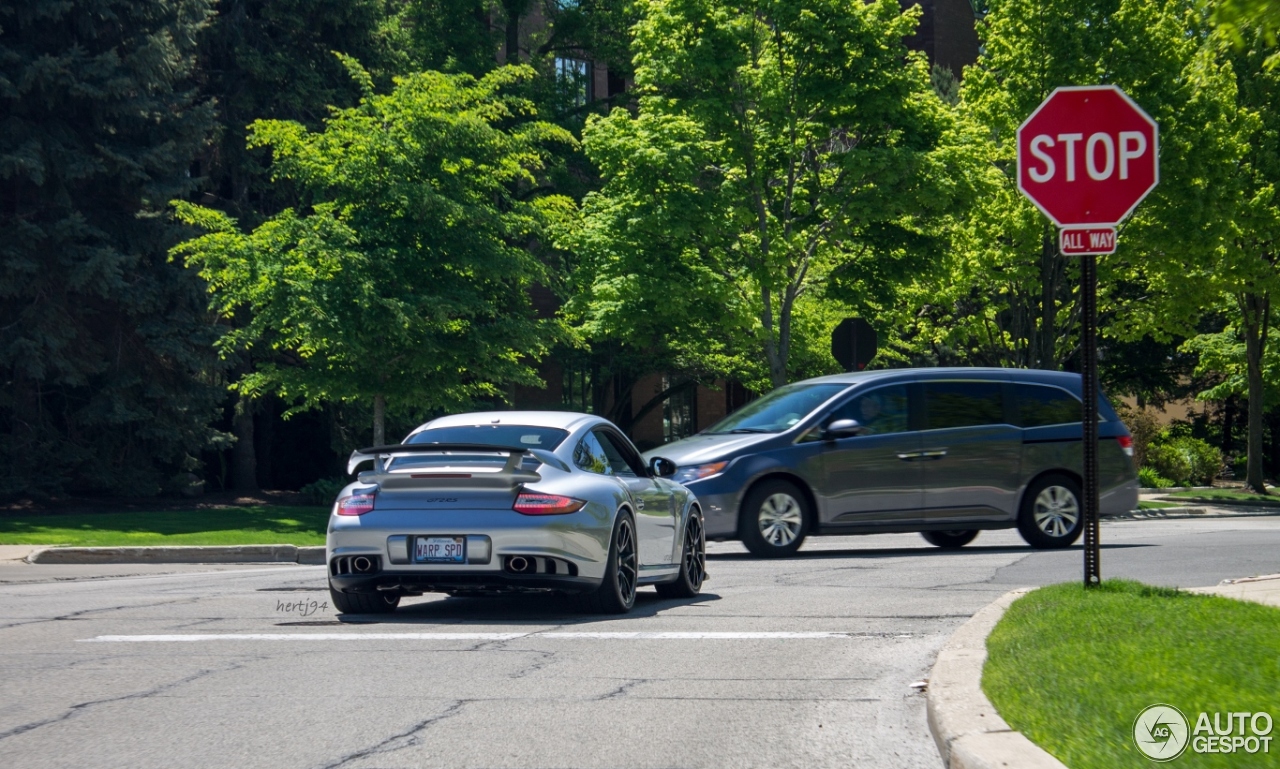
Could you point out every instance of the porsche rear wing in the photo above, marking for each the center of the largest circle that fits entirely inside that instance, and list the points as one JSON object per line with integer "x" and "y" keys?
{"x": 511, "y": 475}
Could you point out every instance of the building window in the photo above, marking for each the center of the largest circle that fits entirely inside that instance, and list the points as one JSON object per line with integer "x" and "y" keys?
{"x": 679, "y": 412}
{"x": 576, "y": 394}
{"x": 574, "y": 77}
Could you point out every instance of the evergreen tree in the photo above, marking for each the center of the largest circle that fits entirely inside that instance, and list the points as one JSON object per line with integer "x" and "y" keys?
{"x": 105, "y": 346}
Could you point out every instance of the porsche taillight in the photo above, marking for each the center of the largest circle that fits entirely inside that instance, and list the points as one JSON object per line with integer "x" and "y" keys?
{"x": 356, "y": 504}
{"x": 528, "y": 503}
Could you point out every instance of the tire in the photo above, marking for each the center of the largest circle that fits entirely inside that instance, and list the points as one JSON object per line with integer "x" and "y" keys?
{"x": 950, "y": 540}
{"x": 693, "y": 561}
{"x": 1052, "y": 514}
{"x": 364, "y": 603}
{"x": 617, "y": 593}
{"x": 774, "y": 519}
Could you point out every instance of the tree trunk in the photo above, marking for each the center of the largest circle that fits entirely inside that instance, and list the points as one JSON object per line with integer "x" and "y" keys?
{"x": 264, "y": 437}
{"x": 515, "y": 10}
{"x": 379, "y": 420}
{"x": 244, "y": 462}
{"x": 1256, "y": 310}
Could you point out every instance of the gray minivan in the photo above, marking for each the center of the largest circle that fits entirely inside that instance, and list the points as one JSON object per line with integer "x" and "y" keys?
{"x": 946, "y": 452}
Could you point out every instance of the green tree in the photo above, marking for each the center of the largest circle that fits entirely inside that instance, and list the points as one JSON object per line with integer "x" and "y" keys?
{"x": 105, "y": 347}
{"x": 777, "y": 145}
{"x": 1246, "y": 270}
{"x": 1010, "y": 297}
{"x": 1241, "y": 18}
{"x": 404, "y": 281}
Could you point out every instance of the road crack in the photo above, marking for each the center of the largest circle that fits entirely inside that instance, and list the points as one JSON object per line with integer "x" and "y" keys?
{"x": 405, "y": 739}
{"x": 79, "y": 708}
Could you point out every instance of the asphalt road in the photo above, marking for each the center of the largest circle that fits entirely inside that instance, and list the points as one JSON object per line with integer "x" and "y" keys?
{"x": 806, "y": 662}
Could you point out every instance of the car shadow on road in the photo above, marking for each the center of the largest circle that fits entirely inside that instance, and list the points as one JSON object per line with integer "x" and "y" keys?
{"x": 898, "y": 552}
{"x": 533, "y": 609}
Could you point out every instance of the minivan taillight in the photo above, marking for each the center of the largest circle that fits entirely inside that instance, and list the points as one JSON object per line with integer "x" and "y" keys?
{"x": 546, "y": 504}
{"x": 1126, "y": 444}
{"x": 356, "y": 504}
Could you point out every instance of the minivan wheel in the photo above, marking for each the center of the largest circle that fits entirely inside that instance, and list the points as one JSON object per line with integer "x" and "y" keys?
{"x": 950, "y": 540}
{"x": 774, "y": 520}
{"x": 1052, "y": 513}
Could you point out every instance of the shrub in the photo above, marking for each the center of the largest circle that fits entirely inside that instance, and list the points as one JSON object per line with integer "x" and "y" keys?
{"x": 1148, "y": 478}
{"x": 323, "y": 491}
{"x": 1205, "y": 460}
{"x": 1185, "y": 460}
{"x": 1143, "y": 427}
{"x": 1168, "y": 462}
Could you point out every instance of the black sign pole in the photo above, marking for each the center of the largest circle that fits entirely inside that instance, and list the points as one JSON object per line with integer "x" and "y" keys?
{"x": 1089, "y": 415}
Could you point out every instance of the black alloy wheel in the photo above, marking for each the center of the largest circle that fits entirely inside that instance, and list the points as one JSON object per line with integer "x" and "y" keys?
{"x": 693, "y": 561}
{"x": 617, "y": 593}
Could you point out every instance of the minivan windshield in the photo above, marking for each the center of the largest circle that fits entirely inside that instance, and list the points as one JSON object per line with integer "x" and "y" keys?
{"x": 779, "y": 410}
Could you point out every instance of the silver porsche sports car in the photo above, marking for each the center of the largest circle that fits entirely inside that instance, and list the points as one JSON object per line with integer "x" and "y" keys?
{"x": 513, "y": 501}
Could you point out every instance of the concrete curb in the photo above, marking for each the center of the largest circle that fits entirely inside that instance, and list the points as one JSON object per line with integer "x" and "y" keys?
{"x": 969, "y": 732}
{"x": 179, "y": 554}
{"x": 1160, "y": 513}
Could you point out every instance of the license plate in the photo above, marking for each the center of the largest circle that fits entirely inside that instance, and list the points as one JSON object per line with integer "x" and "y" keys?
{"x": 440, "y": 550}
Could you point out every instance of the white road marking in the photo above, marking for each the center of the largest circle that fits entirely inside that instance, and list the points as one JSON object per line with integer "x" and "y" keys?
{"x": 554, "y": 635}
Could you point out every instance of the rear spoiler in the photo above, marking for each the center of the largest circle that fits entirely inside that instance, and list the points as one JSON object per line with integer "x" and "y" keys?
{"x": 510, "y": 475}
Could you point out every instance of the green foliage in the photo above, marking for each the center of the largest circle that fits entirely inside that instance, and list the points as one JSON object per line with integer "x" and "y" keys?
{"x": 1186, "y": 461}
{"x": 780, "y": 150}
{"x": 1008, "y": 297}
{"x": 1149, "y": 478}
{"x": 109, "y": 384}
{"x": 1143, "y": 428}
{"x": 274, "y": 60}
{"x": 407, "y": 276}
{"x": 323, "y": 491}
{"x": 1072, "y": 667}
{"x": 1238, "y": 18}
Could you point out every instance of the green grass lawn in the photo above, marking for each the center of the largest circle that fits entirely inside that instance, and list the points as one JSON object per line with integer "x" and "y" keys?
{"x": 1224, "y": 495}
{"x": 262, "y": 525}
{"x": 1147, "y": 504}
{"x": 1072, "y": 668}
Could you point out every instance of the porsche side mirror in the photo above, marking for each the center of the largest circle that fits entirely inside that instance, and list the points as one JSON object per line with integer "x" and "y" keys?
{"x": 662, "y": 467}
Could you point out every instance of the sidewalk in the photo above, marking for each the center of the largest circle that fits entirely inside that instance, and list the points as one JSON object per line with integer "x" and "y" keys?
{"x": 1264, "y": 589}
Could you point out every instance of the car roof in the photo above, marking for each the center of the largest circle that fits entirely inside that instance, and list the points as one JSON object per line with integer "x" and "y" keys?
{"x": 564, "y": 420}
{"x": 1062, "y": 379}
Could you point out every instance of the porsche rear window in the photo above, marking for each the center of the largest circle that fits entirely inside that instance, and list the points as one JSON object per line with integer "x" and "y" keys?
{"x": 516, "y": 436}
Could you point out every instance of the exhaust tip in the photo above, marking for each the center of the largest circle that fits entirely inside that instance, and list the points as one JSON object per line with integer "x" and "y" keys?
{"x": 362, "y": 564}
{"x": 518, "y": 563}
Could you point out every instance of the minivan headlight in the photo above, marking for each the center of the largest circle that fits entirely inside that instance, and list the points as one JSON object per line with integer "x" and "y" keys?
{"x": 698, "y": 472}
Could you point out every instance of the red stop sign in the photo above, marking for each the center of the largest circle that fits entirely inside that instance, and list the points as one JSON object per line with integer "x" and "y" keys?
{"x": 1088, "y": 155}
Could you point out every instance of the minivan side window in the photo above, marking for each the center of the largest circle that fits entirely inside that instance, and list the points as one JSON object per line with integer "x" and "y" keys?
{"x": 1039, "y": 406}
{"x": 963, "y": 404}
{"x": 882, "y": 411}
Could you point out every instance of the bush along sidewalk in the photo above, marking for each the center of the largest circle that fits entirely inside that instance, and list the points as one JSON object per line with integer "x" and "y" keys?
{"x": 1077, "y": 669}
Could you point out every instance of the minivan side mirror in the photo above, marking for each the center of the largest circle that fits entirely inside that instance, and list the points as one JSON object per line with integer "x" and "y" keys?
{"x": 843, "y": 428}
{"x": 662, "y": 467}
